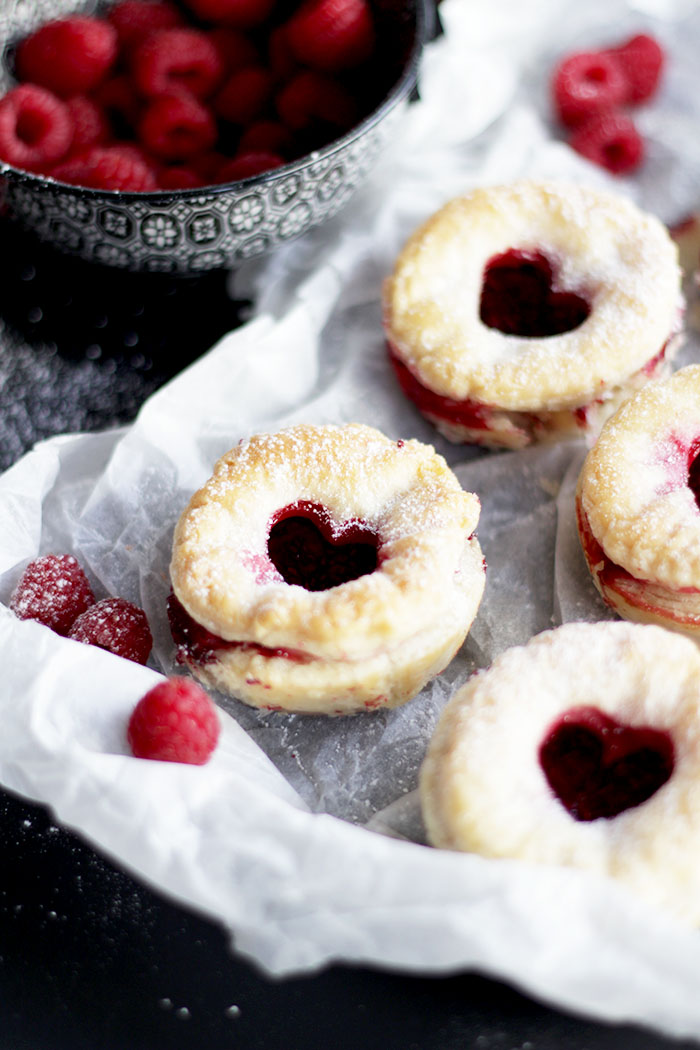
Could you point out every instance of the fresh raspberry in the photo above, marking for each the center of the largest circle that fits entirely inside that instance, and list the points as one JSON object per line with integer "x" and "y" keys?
{"x": 179, "y": 177}
{"x": 266, "y": 136}
{"x": 641, "y": 60}
{"x": 90, "y": 125}
{"x": 176, "y": 60}
{"x": 244, "y": 96}
{"x": 245, "y": 165}
{"x": 116, "y": 625}
{"x": 174, "y": 722}
{"x": 119, "y": 100}
{"x": 69, "y": 56}
{"x": 107, "y": 168}
{"x": 611, "y": 141}
{"x": 36, "y": 129}
{"x": 242, "y": 14}
{"x": 332, "y": 35}
{"x": 281, "y": 60}
{"x": 134, "y": 20}
{"x": 585, "y": 84}
{"x": 174, "y": 127}
{"x": 53, "y": 590}
{"x": 236, "y": 50}
{"x": 207, "y": 165}
{"x": 311, "y": 98}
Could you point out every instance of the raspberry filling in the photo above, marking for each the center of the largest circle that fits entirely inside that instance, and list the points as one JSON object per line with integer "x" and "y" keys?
{"x": 598, "y": 767}
{"x": 694, "y": 471}
{"x": 520, "y": 296}
{"x": 312, "y": 551}
{"x": 195, "y": 644}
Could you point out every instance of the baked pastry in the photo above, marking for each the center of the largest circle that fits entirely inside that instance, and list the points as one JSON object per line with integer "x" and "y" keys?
{"x": 637, "y": 506}
{"x": 597, "y": 769}
{"x": 325, "y": 569}
{"x": 528, "y": 312}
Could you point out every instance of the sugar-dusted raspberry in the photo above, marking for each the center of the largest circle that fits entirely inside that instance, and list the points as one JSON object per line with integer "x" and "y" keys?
{"x": 174, "y": 722}
{"x": 116, "y": 625}
{"x": 174, "y": 127}
{"x": 332, "y": 35}
{"x": 54, "y": 590}
{"x": 266, "y": 136}
{"x": 642, "y": 60}
{"x": 245, "y": 165}
{"x": 134, "y": 20}
{"x": 176, "y": 60}
{"x": 179, "y": 177}
{"x": 36, "y": 129}
{"x": 108, "y": 168}
{"x": 236, "y": 50}
{"x": 611, "y": 141}
{"x": 586, "y": 84}
{"x": 242, "y": 14}
{"x": 90, "y": 125}
{"x": 244, "y": 95}
{"x": 69, "y": 56}
{"x": 314, "y": 98}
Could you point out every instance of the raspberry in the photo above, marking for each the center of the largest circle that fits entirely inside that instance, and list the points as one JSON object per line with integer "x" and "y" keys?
{"x": 36, "y": 129}
{"x": 245, "y": 165}
{"x": 53, "y": 590}
{"x": 641, "y": 60}
{"x": 69, "y": 56}
{"x": 90, "y": 125}
{"x": 611, "y": 141}
{"x": 175, "y": 127}
{"x": 242, "y": 14}
{"x": 116, "y": 625}
{"x": 235, "y": 49}
{"x": 332, "y": 35}
{"x": 265, "y": 136}
{"x": 244, "y": 95}
{"x": 585, "y": 84}
{"x": 179, "y": 177}
{"x": 174, "y": 722}
{"x": 310, "y": 98}
{"x": 119, "y": 100}
{"x": 107, "y": 168}
{"x": 281, "y": 60}
{"x": 134, "y": 20}
{"x": 176, "y": 60}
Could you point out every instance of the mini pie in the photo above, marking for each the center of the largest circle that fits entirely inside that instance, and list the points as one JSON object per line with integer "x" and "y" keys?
{"x": 637, "y": 506}
{"x": 528, "y": 312}
{"x": 598, "y": 769}
{"x": 325, "y": 569}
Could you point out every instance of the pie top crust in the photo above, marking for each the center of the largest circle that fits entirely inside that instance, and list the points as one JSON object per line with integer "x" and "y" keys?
{"x": 622, "y": 260}
{"x": 633, "y": 487}
{"x": 402, "y": 490}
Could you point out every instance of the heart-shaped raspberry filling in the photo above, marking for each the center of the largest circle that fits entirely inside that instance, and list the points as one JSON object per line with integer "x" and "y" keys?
{"x": 309, "y": 549}
{"x": 520, "y": 296}
{"x": 598, "y": 767}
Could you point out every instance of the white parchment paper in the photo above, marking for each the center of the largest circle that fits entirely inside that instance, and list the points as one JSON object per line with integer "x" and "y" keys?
{"x": 303, "y": 835}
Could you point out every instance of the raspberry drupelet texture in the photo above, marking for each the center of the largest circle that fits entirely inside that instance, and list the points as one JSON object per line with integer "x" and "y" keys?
{"x": 332, "y": 35}
{"x": 175, "y": 127}
{"x": 134, "y": 20}
{"x": 176, "y": 60}
{"x": 36, "y": 129}
{"x": 174, "y": 722}
{"x": 69, "y": 56}
{"x": 53, "y": 590}
{"x": 107, "y": 168}
{"x": 585, "y": 84}
{"x": 641, "y": 59}
{"x": 116, "y": 625}
{"x": 611, "y": 141}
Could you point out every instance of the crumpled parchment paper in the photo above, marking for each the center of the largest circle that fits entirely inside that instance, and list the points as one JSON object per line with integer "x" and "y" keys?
{"x": 303, "y": 836}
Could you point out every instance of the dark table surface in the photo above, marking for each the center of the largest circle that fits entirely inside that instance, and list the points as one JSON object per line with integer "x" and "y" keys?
{"x": 89, "y": 958}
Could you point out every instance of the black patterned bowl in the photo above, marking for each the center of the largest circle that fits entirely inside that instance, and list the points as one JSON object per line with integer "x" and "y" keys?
{"x": 190, "y": 231}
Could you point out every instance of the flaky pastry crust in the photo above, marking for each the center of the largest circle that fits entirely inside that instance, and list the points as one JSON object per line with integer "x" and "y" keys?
{"x": 635, "y": 500}
{"x": 621, "y": 259}
{"x": 374, "y": 638}
{"x": 483, "y": 788}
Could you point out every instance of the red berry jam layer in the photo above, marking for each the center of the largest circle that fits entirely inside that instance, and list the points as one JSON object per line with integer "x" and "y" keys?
{"x": 312, "y": 551}
{"x": 598, "y": 767}
{"x": 520, "y": 295}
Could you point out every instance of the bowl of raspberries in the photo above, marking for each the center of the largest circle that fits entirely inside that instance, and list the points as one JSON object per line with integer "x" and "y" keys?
{"x": 180, "y": 136}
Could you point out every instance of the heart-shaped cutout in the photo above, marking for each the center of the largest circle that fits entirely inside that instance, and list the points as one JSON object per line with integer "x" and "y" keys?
{"x": 312, "y": 551}
{"x": 598, "y": 767}
{"x": 520, "y": 296}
